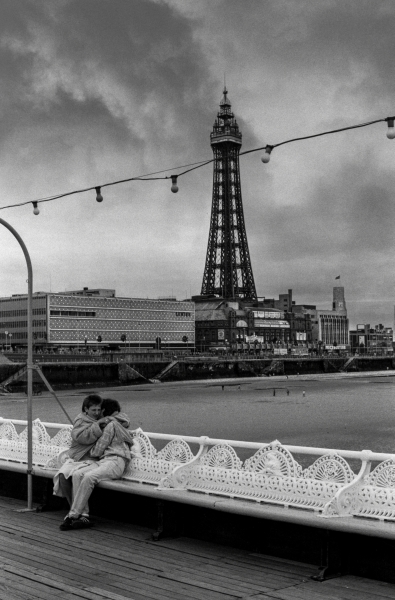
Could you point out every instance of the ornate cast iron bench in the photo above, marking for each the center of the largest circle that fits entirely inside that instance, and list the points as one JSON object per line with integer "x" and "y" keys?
{"x": 266, "y": 482}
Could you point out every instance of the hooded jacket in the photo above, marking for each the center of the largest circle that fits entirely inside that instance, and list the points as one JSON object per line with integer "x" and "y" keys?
{"x": 85, "y": 433}
{"x": 115, "y": 441}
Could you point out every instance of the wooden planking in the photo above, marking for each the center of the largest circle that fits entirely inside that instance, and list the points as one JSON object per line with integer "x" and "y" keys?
{"x": 335, "y": 589}
{"x": 44, "y": 589}
{"x": 176, "y": 572}
{"x": 244, "y": 559}
{"x": 117, "y": 561}
{"x": 260, "y": 570}
{"x": 355, "y": 587}
{"x": 55, "y": 570}
{"x": 36, "y": 558}
{"x": 151, "y": 588}
{"x": 301, "y": 592}
{"x": 205, "y": 567}
{"x": 38, "y": 576}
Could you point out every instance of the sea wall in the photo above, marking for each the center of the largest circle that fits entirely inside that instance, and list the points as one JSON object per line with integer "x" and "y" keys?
{"x": 73, "y": 375}
{"x": 219, "y": 369}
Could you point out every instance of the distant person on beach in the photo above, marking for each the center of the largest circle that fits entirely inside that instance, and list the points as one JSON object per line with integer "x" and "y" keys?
{"x": 109, "y": 458}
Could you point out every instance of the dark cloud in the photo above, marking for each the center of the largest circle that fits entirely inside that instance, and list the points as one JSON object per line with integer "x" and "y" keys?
{"x": 101, "y": 90}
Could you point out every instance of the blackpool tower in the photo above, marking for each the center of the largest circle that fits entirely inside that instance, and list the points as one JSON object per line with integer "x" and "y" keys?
{"x": 228, "y": 271}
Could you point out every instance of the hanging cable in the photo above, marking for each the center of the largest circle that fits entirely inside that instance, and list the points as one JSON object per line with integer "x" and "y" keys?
{"x": 197, "y": 165}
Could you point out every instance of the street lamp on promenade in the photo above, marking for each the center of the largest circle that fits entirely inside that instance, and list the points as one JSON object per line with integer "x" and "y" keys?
{"x": 6, "y": 338}
{"x": 29, "y": 364}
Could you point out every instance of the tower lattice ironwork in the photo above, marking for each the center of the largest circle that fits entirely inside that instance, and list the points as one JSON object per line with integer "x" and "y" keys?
{"x": 228, "y": 270}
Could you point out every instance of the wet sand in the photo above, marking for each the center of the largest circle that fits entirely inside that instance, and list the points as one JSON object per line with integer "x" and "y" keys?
{"x": 330, "y": 411}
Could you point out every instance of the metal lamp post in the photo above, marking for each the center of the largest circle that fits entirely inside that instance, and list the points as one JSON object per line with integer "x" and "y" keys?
{"x": 6, "y": 338}
{"x": 29, "y": 364}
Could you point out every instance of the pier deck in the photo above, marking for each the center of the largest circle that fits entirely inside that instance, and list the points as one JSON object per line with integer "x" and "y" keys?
{"x": 118, "y": 561}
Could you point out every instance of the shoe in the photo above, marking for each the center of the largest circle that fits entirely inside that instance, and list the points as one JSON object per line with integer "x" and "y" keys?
{"x": 67, "y": 524}
{"x": 81, "y": 523}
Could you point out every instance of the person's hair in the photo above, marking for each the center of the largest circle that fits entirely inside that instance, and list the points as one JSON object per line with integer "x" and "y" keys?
{"x": 91, "y": 400}
{"x": 110, "y": 406}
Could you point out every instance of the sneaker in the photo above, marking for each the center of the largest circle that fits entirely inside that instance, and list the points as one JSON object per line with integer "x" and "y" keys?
{"x": 81, "y": 523}
{"x": 67, "y": 524}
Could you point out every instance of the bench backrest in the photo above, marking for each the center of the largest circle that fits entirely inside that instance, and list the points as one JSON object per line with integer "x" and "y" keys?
{"x": 335, "y": 483}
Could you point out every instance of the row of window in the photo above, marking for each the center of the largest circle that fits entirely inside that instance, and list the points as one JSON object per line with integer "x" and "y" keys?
{"x": 332, "y": 318}
{"x": 72, "y": 313}
{"x": 22, "y": 335}
{"x": 22, "y": 312}
{"x": 118, "y": 303}
{"x": 23, "y": 324}
{"x": 18, "y": 336}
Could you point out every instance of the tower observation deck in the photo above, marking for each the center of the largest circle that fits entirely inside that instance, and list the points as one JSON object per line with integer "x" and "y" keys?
{"x": 228, "y": 271}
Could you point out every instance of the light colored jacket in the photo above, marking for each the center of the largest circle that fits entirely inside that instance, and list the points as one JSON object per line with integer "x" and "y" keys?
{"x": 115, "y": 441}
{"x": 85, "y": 433}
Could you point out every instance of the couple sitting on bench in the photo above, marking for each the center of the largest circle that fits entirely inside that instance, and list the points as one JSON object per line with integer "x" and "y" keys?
{"x": 101, "y": 449}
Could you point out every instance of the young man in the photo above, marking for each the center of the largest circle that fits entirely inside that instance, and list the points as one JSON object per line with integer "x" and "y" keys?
{"x": 87, "y": 428}
{"x": 111, "y": 455}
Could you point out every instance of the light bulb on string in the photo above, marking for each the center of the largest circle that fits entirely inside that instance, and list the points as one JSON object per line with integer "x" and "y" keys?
{"x": 266, "y": 157}
{"x": 99, "y": 197}
{"x": 36, "y": 210}
{"x": 391, "y": 128}
{"x": 174, "y": 186}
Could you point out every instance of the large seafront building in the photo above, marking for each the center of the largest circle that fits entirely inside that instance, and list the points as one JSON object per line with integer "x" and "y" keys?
{"x": 271, "y": 322}
{"x": 329, "y": 327}
{"x": 97, "y": 316}
{"x": 231, "y": 323}
{"x": 375, "y": 340}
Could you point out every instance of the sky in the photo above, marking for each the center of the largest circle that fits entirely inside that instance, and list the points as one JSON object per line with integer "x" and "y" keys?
{"x": 97, "y": 91}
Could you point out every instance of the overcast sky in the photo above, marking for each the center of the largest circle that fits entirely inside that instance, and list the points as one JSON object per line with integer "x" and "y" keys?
{"x": 94, "y": 91}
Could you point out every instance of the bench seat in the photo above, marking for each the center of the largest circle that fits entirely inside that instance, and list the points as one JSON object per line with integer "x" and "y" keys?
{"x": 269, "y": 484}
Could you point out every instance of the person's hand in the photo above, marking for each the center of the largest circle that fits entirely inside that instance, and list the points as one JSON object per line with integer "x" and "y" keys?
{"x": 103, "y": 421}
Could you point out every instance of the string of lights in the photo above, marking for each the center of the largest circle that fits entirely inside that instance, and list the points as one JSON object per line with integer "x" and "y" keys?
{"x": 268, "y": 148}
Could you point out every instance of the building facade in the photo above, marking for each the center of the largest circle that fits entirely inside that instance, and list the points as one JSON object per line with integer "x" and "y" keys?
{"x": 329, "y": 327}
{"x": 91, "y": 317}
{"x": 231, "y": 323}
{"x": 374, "y": 341}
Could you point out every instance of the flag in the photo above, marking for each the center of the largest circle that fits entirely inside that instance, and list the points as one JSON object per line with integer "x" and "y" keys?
{"x": 338, "y": 277}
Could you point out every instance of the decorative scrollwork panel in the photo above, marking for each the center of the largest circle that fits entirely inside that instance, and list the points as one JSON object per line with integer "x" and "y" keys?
{"x": 222, "y": 456}
{"x": 149, "y": 470}
{"x": 330, "y": 467}
{"x": 39, "y": 433}
{"x": 377, "y": 502}
{"x": 62, "y": 438}
{"x": 383, "y": 475}
{"x": 176, "y": 451}
{"x": 261, "y": 487}
{"x": 8, "y": 431}
{"x": 273, "y": 459}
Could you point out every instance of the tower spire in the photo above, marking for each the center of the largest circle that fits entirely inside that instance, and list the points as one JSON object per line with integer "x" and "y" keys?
{"x": 228, "y": 271}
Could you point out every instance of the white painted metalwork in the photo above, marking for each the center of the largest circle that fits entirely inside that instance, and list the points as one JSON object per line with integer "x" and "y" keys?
{"x": 270, "y": 474}
{"x": 153, "y": 466}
